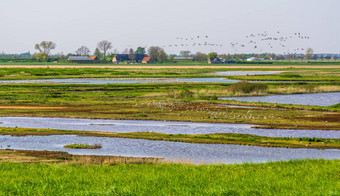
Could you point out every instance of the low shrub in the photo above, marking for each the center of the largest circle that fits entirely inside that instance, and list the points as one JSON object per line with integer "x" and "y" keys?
{"x": 245, "y": 87}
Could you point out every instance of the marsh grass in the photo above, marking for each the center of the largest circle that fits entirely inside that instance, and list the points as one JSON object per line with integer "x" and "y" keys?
{"x": 307, "y": 177}
{"x": 30, "y": 156}
{"x": 83, "y": 146}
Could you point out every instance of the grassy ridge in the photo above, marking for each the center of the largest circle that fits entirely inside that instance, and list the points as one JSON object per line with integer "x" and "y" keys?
{"x": 313, "y": 177}
{"x": 220, "y": 138}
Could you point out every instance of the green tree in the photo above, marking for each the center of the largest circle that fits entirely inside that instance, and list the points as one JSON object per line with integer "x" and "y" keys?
{"x": 40, "y": 57}
{"x": 140, "y": 50}
{"x": 44, "y": 49}
{"x": 97, "y": 53}
{"x": 212, "y": 55}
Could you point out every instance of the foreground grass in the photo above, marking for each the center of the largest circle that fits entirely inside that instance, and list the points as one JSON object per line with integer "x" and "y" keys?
{"x": 310, "y": 177}
{"x": 216, "y": 138}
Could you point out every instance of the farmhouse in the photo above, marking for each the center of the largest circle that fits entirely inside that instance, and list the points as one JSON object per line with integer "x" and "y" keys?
{"x": 183, "y": 58}
{"x": 95, "y": 58}
{"x": 80, "y": 59}
{"x": 254, "y": 59}
{"x": 120, "y": 58}
{"x": 214, "y": 61}
{"x": 147, "y": 60}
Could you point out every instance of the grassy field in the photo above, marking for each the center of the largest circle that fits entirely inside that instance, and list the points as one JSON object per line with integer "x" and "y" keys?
{"x": 309, "y": 177}
{"x": 171, "y": 102}
{"x": 289, "y": 74}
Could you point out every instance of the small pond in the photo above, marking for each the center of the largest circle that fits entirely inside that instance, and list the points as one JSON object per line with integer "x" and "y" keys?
{"x": 167, "y": 127}
{"x": 318, "y": 99}
{"x": 172, "y": 151}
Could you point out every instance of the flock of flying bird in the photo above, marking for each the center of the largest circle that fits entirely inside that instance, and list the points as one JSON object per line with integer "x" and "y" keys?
{"x": 253, "y": 41}
{"x": 193, "y": 41}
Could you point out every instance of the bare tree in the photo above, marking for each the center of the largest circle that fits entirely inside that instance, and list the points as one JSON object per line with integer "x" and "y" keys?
{"x": 104, "y": 46}
{"x": 185, "y": 53}
{"x": 201, "y": 56}
{"x": 44, "y": 48}
{"x": 125, "y": 51}
{"x": 154, "y": 52}
{"x": 162, "y": 56}
{"x": 309, "y": 53}
{"x": 132, "y": 55}
{"x": 83, "y": 51}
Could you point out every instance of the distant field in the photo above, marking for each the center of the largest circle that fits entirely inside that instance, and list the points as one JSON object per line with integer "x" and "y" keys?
{"x": 166, "y": 66}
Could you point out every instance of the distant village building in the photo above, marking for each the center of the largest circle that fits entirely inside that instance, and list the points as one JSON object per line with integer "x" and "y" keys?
{"x": 147, "y": 60}
{"x": 254, "y": 59}
{"x": 220, "y": 61}
{"x": 95, "y": 58}
{"x": 183, "y": 58}
{"x": 80, "y": 59}
{"x": 214, "y": 61}
{"x": 120, "y": 58}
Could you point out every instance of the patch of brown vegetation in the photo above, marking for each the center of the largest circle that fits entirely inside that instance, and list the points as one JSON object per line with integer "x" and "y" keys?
{"x": 31, "y": 107}
{"x": 30, "y": 156}
{"x": 329, "y": 117}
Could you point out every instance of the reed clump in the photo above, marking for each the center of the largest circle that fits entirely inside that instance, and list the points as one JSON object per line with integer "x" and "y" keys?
{"x": 245, "y": 87}
{"x": 83, "y": 146}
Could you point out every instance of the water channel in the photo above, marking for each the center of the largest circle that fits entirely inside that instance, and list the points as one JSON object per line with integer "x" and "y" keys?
{"x": 123, "y": 126}
{"x": 318, "y": 99}
{"x": 171, "y": 151}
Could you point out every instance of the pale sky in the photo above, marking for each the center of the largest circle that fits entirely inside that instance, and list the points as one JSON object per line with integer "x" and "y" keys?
{"x": 132, "y": 23}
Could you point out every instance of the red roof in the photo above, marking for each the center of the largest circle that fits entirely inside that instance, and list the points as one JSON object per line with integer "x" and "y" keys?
{"x": 93, "y": 57}
{"x": 146, "y": 59}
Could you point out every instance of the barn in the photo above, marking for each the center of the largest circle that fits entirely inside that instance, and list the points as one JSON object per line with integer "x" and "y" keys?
{"x": 80, "y": 59}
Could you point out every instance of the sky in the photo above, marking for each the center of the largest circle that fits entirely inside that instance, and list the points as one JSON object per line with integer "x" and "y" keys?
{"x": 217, "y": 25}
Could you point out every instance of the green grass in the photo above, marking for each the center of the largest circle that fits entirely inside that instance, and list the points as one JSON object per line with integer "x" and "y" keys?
{"x": 172, "y": 102}
{"x": 311, "y": 177}
{"x": 301, "y": 74}
{"x": 83, "y": 146}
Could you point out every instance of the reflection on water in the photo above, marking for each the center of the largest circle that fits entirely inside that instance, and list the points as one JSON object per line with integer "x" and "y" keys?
{"x": 319, "y": 99}
{"x": 173, "y": 151}
{"x": 167, "y": 127}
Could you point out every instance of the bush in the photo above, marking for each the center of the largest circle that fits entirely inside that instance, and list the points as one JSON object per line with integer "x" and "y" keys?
{"x": 245, "y": 87}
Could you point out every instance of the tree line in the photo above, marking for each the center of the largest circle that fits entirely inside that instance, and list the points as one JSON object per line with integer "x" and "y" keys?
{"x": 104, "y": 52}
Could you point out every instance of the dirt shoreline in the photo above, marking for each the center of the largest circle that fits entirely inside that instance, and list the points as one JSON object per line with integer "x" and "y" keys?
{"x": 172, "y": 66}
